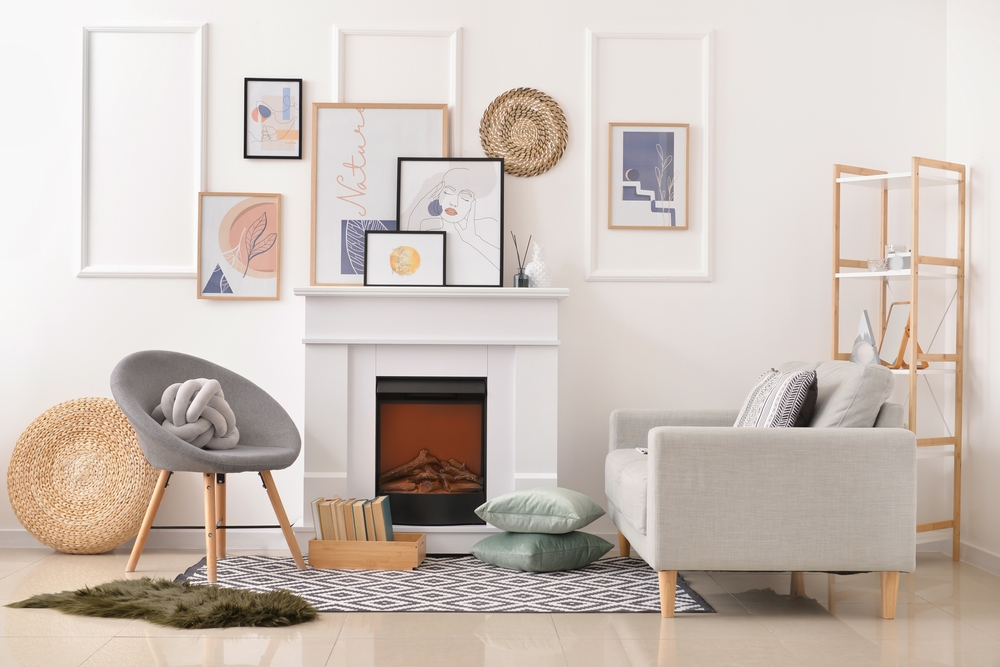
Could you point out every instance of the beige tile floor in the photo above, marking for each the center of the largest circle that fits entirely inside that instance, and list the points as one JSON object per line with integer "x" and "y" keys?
{"x": 948, "y": 614}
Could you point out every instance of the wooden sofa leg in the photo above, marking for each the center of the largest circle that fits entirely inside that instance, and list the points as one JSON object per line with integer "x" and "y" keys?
{"x": 890, "y": 593}
{"x": 668, "y": 587}
{"x": 624, "y": 548}
{"x": 798, "y": 587}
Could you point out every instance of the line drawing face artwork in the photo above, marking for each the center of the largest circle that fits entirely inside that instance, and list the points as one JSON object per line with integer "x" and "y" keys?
{"x": 273, "y": 121}
{"x": 464, "y": 200}
{"x": 648, "y": 179}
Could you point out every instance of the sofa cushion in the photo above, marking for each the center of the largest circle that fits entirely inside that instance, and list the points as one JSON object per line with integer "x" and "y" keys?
{"x": 545, "y": 510}
{"x": 779, "y": 400}
{"x": 848, "y": 395}
{"x": 626, "y": 472}
{"x": 541, "y": 552}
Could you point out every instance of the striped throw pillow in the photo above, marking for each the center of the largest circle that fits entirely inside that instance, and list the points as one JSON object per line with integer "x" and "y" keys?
{"x": 780, "y": 400}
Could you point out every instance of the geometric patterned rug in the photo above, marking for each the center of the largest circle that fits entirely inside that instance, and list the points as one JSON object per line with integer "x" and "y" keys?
{"x": 458, "y": 584}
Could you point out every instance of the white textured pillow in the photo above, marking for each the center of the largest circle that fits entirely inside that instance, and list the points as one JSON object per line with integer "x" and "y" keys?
{"x": 779, "y": 400}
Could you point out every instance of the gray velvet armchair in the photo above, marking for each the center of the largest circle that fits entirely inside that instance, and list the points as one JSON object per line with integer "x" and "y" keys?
{"x": 826, "y": 498}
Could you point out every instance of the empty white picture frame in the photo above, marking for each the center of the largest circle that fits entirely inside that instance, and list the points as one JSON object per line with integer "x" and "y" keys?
{"x": 142, "y": 150}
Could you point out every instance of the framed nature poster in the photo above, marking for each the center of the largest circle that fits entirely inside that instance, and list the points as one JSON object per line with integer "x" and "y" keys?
{"x": 238, "y": 249}
{"x": 648, "y": 176}
{"x": 464, "y": 198}
{"x": 272, "y": 118}
{"x": 355, "y": 149}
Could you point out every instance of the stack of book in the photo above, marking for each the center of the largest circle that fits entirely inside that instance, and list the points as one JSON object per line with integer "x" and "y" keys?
{"x": 352, "y": 519}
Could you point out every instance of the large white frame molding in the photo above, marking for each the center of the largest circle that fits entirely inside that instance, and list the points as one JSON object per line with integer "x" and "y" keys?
{"x": 454, "y": 71}
{"x": 86, "y": 268}
{"x": 595, "y": 175}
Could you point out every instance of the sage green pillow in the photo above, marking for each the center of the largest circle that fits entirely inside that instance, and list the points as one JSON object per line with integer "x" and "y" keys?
{"x": 546, "y": 510}
{"x": 541, "y": 552}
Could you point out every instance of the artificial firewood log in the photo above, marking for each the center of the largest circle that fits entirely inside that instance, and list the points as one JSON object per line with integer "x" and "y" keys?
{"x": 459, "y": 470}
{"x": 423, "y": 458}
{"x": 426, "y": 487}
{"x": 465, "y": 487}
{"x": 398, "y": 486}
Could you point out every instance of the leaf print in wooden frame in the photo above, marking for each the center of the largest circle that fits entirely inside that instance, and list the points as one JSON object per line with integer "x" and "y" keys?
{"x": 238, "y": 245}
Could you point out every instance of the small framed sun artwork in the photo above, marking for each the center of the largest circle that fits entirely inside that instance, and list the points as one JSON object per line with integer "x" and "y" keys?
{"x": 405, "y": 258}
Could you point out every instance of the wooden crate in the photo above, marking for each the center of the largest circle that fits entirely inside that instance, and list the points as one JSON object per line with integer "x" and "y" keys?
{"x": 406, "y": 552}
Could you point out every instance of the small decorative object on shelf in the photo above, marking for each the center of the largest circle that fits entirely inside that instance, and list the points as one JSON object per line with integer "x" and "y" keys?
{"x": 878, "y": 264}
{"x": 521, "y": 278}
{"x": 538, "y": 270}
{"x": 897, "y": 257}
{"x": 864, "y": 345}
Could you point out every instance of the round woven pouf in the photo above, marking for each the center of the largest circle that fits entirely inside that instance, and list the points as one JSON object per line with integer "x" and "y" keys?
{"x": 527, "y": 129}
{"x": 77, "y": 479}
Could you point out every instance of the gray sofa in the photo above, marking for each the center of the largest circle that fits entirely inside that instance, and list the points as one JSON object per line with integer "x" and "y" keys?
{"x": 839, "y": 496}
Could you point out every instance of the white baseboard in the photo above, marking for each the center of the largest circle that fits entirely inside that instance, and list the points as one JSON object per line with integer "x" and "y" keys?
{"x": 981, "y": 558}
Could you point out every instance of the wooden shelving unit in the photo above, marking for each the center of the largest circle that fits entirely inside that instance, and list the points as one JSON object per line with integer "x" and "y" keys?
{"x": 922, "y": 267}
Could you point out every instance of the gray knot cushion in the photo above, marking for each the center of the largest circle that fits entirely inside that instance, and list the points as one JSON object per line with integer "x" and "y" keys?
{"x": 196, "y": 412}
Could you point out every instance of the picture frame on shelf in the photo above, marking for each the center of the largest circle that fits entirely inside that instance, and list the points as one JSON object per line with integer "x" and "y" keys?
{"x": 272, "y": 118}
{"x": 896, "y": 337}
{"x": 239, "y": 249}
{"x": 354, "y": 171}
{"x": 405, "y": 258}
{"x": 462, "y": 197}
{"x": 648, "y": 175}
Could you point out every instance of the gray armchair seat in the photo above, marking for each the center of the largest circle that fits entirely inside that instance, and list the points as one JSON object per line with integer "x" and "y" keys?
{"x": 709, "y": 496}
{"x": 269, "y": 440}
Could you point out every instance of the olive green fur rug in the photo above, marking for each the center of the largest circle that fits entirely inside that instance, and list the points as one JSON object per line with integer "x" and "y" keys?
{"x": 179, "y": 605}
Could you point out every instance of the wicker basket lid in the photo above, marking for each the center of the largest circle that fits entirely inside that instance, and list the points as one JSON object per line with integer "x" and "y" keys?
{"x": 77, "y": 479}
{"x": 527, "y": 129}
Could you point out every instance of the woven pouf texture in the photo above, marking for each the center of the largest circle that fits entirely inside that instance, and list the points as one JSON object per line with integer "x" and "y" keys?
{"x": 77, "y": 479}
{"x": 527, "y": 129}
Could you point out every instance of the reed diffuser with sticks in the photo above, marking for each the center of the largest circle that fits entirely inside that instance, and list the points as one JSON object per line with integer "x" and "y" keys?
{"x": 521, "y": 278}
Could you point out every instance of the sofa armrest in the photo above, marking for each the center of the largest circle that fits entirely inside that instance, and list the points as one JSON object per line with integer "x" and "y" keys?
{"x": 799, "y": 499}
{"x": 629, "y": 428}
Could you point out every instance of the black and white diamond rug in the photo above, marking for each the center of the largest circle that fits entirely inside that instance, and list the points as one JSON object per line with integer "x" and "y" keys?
{"x": 458, "y": 583}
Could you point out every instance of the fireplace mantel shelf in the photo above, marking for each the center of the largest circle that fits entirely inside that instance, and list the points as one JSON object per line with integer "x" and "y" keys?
{"x": 435, "y": 292}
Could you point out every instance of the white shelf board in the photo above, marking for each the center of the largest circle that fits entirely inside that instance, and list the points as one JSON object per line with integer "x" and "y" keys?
{"x": 925, "y": 371}
{"x": 899, "y": 181}
{"x": 903, "y": 273}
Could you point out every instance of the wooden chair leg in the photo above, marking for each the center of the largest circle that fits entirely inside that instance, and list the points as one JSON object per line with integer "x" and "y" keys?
{"x": 279, "y": 511}
{"x": 220, "y": 514}
{"x": 798, "y": 586}
{"x": 210, "y": 532}
{"x": 147, "y": 521}
{"x": 890, "y": 593}
{"x": 624, "y": 548}
{"x": 668, "y": 587}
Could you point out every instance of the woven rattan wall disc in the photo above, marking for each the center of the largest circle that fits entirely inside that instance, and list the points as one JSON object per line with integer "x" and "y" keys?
{"x": 527, "y": 129}
{"x": 77, "y": 479}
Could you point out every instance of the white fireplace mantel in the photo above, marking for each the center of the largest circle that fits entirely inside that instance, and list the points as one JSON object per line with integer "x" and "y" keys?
{"x": 355, "y": 334}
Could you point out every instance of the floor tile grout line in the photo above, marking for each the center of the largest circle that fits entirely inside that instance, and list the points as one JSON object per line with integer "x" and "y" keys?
{"x": 96, "y": 651}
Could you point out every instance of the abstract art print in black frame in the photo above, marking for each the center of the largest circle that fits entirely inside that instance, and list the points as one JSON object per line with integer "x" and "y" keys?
{"x": 272, "y": 118}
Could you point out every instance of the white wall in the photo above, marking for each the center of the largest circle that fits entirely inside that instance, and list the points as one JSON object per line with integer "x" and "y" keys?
{"x": 798, "y": 87}
{"x": 974, "y": 139}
